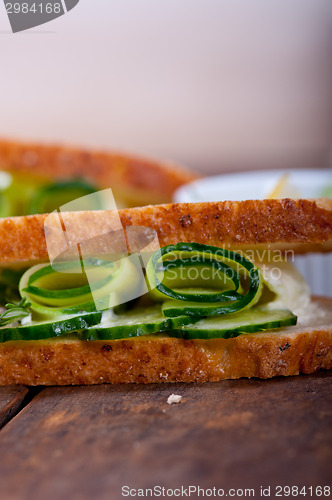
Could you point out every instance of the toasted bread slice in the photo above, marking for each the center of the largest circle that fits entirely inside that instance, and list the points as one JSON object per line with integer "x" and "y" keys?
{"x": 134, "y": 180}
{"x": 299, "y": 225}
{"x": 304, "y": 348}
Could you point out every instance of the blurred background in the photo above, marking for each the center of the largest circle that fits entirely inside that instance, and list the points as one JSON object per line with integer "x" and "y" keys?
{"x": 217, "y": 85}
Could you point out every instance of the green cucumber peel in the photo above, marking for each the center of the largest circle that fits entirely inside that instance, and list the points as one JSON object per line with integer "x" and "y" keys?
{"x": 52, "y": 292}
{"x": 68, "y": 292}
{"x": 149, "y": 321}
{"x": 42, "y": 312}
{"x": 136, "y": 323}
{"x": 48, "y": 329}
{"x": 255, "y": 320}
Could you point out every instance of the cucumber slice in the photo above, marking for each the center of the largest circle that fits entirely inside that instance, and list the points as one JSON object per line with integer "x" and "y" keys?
{"x": 51, "y": 292}
{"x": 41, "y": 312}
{"x": 135, "y": 323}
{"x": 177, "y": 308}
{"x": 47, "y": 329}
{"x": 43, "y": 285}
{"x": 232, "y": 325}
{"x": 150, "y": 320}
{"x": 239, "y": 278}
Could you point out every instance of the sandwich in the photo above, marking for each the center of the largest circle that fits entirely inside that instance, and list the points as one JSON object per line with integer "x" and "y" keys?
{"x": 163, "y": 293}
{"x": 37, "y": 178}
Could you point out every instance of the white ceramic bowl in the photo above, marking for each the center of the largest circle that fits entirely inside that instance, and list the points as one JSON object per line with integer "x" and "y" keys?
{"x": 253, "y": 185}
{"x": 316, "y": 268}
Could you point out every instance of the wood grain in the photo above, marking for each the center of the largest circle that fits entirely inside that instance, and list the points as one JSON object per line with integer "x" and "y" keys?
{"x": 11, "y": 400}
{"x": 86, "y": 442}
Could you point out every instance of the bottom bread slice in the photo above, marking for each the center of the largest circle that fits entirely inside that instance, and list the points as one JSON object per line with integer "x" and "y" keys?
{"x": 304, "y": 348}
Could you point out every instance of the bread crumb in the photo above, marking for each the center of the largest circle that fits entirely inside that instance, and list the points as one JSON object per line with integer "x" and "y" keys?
{"x": 174, "y": 399}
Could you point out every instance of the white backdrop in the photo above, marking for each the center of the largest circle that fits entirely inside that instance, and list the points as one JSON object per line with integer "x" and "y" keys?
{"x": 215, "y": 84}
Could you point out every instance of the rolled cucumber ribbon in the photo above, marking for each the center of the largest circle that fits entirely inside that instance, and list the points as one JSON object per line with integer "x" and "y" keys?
{"x": 52, "y": 292}
{"x": 237, "y": 280}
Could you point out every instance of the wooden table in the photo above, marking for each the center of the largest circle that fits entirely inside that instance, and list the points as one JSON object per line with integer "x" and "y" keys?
{"x": 87, "y": 442}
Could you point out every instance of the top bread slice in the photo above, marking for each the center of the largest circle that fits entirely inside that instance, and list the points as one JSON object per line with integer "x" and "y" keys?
{"x": 296, "y": 225}
{"x": 134, "y": 180}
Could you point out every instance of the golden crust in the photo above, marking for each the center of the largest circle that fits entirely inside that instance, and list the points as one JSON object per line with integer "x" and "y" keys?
{"x": 300, "y": 225}
{"x": 289, "y": 351}
{"x": 135, "y": 180}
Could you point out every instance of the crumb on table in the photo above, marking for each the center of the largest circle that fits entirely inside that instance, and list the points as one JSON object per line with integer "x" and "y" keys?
{"x": 174, "y": 399}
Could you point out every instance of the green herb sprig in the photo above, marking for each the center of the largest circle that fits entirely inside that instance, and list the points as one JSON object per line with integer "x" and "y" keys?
{"x": 15, "y": 311}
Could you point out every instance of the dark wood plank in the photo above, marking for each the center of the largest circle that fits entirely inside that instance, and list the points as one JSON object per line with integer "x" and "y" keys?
{"x": 86, "y": 442}
{"x": 11, "y": 400}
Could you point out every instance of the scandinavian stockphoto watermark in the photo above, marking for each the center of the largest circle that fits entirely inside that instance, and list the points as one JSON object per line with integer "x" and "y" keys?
{"x": 28, "y": 14}
{"x": 111, "y": 257}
